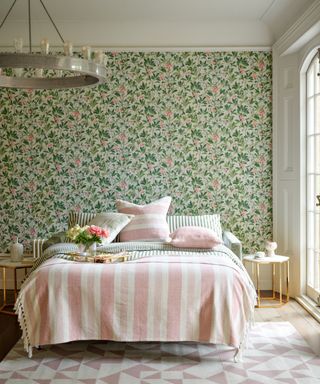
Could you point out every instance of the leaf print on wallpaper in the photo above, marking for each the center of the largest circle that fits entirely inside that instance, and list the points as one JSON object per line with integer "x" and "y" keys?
{"x": 195, "y": 126}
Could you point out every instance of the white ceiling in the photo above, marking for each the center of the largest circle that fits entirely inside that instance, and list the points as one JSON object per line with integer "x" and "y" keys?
{"x": 130, "y": 23}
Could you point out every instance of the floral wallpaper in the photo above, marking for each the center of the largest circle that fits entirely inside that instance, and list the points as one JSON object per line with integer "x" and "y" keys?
{"x": 196, "y": 126}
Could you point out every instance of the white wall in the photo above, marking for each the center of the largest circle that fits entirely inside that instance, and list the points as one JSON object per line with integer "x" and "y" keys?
{"x": 289, "y": 53}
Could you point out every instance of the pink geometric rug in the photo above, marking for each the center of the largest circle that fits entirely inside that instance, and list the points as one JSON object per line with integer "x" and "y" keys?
{"x": 276, "y": 353}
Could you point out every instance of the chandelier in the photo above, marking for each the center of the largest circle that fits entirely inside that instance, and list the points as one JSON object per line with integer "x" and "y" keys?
{"x": 48, "y": 71}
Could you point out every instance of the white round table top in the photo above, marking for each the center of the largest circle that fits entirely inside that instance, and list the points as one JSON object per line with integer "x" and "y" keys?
{"x": 266, "y": 259}
{"x": 24, "y": 263}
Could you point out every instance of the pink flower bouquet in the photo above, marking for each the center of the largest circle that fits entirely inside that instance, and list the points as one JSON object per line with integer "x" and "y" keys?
{"x": 87, "y": 235}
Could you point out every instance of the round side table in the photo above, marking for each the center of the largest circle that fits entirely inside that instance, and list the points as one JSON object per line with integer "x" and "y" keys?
{"x": 276, "y": 260}
{"x": 6, "y": 264}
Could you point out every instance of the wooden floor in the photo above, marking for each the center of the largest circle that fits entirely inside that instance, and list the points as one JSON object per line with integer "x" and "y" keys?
{"x": 306, "y": 325}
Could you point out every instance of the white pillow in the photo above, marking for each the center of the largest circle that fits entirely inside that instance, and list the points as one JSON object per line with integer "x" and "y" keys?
{"x": 113, "y": 222}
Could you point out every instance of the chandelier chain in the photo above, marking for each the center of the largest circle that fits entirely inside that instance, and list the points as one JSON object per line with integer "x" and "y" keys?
{"x": 29, "y": 21}
{"x": 53, "y": 23}
{"x": 8, "y": 13}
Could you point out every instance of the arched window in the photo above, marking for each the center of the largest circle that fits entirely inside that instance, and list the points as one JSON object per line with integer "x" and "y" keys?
{"x": 313, "y": 178}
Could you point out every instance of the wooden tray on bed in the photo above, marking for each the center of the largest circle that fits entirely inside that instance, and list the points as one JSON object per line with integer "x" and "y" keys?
{"x": 99, "y": 257}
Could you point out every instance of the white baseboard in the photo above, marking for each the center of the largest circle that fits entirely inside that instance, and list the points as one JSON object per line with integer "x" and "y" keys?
{"x": 310, "y": 306}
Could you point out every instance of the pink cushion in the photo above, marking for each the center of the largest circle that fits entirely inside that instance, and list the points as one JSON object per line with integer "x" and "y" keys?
{"x": 149, "y": 222}
{"x": 194, "y": 237}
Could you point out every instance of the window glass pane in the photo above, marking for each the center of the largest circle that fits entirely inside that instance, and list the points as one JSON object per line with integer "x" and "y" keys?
{"x": 317, "y": 115}
{"x": 316, "y": 78}
{"x": 310, "y": 154}
{"x": 310, "y": 267}
{"x": 310, "y": 116}
{"x": 317, "y": 153}
{"x": 310, "y": 81}
{"x": 310, "y": 193}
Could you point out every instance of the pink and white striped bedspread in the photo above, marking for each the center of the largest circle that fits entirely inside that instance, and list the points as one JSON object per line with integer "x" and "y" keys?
{"x": 202, "y": 297}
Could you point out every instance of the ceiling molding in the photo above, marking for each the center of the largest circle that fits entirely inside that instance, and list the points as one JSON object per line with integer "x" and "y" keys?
{"x": 307, "y": 25}
{"x": 164, "y": 48}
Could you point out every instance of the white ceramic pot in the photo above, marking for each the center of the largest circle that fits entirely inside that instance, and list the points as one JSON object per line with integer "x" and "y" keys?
{"x": 16, "y": 251}
{"x": 271, "y": 246}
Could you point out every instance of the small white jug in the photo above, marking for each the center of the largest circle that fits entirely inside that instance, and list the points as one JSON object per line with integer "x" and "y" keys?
{"x": 16, "y": 251}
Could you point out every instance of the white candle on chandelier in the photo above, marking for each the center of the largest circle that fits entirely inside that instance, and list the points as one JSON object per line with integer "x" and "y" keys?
{"x": 86, "y": 52}
{"x": 68, "y": 48}
{"x": 99, "y": 57}
{"x": 18, "y": 44}
{"x": 44, "y": 45}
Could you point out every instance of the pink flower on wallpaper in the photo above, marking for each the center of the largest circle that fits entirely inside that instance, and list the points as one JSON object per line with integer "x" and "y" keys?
{"x": 162, "y": 171}
{"x": 242, "y": 71}
{"x": 261, "y": 65}
{"x": 104, "y": 143}
{"x": 215, "y": 137}
{"x": 33, "y": 232}
{"x": 197, "y": 189}
{"x": 123, "y": 185}
{"x": 150, "y": 119}
{"x": 70, "y": 124}
{"x": 261, "y": 112}
{"x": 13, "y": 191}
{"x": 30, "y": 138}
{"x": 169, "y": 161}
{"x": 168, "y": 66}
{"x": 57, "y": 119}
{"x": 150, "y": 166}
{"x": 243, "y": 213}
{"x": 262, "y": 160}
{"x": 141, "y": 144}
{"x": 254, "y": 75}
{"x": 161, "y": 76}
{"x": 116, "y": 148}
{"x": 114, "y": 101}
{"x": 123, "y": 89}
{"x": 58, "y": 167}
{"x": 50, "y": 145}
{"x": 77, "y": 208}
{"x": 254, "y": 123}
{"x": 215, "y": 89}
{"x": 168, "y": 113}
{"x": 241, "y": 118}
{"x": 123, "y": 137}
{"x": 215, "y": 183}
{"x": 76, "y": 114}
{"x": 77, "y": 162}
{"x": 263, "y": 207}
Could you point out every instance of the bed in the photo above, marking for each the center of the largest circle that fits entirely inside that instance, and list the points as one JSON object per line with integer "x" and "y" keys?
{"x": 161, "y": 293}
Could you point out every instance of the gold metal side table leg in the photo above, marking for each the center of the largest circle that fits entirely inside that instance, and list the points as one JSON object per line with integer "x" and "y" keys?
{"x": 258, "y": 285}
{"x": 4, "y": 288}
{"x": 288, "y": 271}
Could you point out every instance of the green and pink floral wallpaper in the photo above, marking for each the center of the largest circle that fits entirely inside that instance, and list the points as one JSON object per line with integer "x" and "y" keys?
{"x": 196, "y": 126}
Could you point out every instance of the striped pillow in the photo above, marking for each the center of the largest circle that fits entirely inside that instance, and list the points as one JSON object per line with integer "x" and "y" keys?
{"x": 80, "y": 218}
{"x": 206, "y": 221}
{"x": 149, "y": 222}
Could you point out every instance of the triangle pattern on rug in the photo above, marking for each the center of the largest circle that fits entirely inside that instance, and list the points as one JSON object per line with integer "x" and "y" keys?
{"x": 267, "y": 359}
